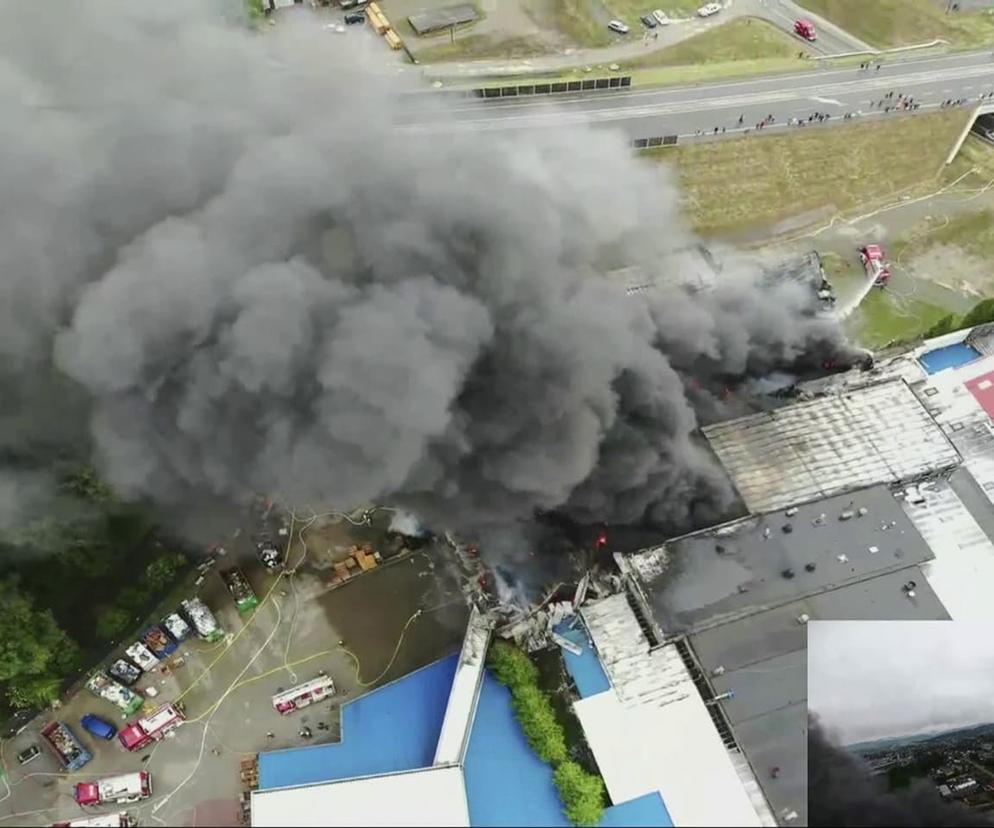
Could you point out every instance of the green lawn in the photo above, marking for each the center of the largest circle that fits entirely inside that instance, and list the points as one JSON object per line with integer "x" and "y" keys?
{"x": 760, "y": 180}
{"x": 571, "y": 18}
{"x": 976, "y": 158}
{"x": 885, "y": 317}
{"x": 973, "y": 233}
{"x": 742, "y": 39}
{"x": 477, "y": 46}
{"x": 887, "y": 23}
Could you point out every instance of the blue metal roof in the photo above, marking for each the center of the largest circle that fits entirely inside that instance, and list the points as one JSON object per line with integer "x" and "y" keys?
{"x": 952, "y": 356}
{"x": 394, "y": 728}
{"x": 586, "y": 668}
{"x": 508, "y": 785}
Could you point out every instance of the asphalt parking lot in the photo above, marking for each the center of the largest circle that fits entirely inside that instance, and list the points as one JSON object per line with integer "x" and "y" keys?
{"x": 226, "y": 688}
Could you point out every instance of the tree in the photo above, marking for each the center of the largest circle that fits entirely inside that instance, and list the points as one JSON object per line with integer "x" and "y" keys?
{"x": 947, "y": 324}
{"x": 582, "y": 793}
{"x": 35, "y": 653}
{"x": 163, "y": 570}
{"x": 979, "y": 313}
{"x": 84, "y": 483}
{"x": 112, "y": 623}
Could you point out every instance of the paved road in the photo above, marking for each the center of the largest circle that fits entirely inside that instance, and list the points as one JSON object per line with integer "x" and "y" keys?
{"x": 684, "y": 111}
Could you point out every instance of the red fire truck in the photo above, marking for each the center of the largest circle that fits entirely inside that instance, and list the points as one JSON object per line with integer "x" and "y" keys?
{"x": 118, "y": 820}
{"x": 151, "y": 728}
{"x": 806, "y": 29}
{"x": 128, "y": 787}
{"x": 302, "y": 695}
{"x": 875, "y": 263}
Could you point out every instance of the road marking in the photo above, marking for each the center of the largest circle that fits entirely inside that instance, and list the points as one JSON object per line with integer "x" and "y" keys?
{"x": 827, "y": 101}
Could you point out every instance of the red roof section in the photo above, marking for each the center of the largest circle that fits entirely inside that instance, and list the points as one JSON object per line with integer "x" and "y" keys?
{"x": 982, "y": 388}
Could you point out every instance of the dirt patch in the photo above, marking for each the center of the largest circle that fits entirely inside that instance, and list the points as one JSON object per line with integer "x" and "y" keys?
{"x": 951, "y": 267}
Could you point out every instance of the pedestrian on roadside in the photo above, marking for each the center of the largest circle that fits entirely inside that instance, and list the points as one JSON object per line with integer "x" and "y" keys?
{"x": 741, "y": 117}
{"x": 722, "y": 130}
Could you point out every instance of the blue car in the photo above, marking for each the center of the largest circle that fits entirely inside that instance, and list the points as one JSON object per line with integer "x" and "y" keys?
{"x": 100, "y": 728}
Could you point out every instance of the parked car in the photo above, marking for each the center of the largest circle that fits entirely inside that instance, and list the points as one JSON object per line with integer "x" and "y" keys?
{"x": 355, "y": 17}
{"x": 618, "y": 26}
{"x": 28, "y": 754}
{"x": 100, "y": 728}
{"x": 661, "y": 17}
{"x": 649, "y": 21}
{"x": 708, "y": 10}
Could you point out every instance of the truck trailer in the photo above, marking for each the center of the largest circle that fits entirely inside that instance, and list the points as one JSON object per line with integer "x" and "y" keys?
{"x": 126, "y": 787}
{"x": 68, "y": 749}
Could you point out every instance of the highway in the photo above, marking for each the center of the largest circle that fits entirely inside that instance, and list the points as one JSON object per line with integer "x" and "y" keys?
{"x": 689, "y": 110}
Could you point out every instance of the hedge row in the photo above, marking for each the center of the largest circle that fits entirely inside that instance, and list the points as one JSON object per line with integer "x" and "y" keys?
{"x": 979, "y": 314}
{"x": 582, "y": 793}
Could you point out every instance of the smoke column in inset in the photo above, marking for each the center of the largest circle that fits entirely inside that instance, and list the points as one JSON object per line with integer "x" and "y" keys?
{"x": 842, "y": 794}
{"x": 262, "y": 284}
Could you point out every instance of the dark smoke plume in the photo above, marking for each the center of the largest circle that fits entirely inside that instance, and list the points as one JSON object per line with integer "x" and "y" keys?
{"x": 841, "y": 793}
{"x": 261, "y": 282}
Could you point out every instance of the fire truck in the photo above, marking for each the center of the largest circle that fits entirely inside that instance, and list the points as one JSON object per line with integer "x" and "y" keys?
{"x": 806, "y": 29}
{"x": 128, "y": 787}
{"x": 305, "y": 694}
{"x": 102, "y": 685}
{"x": 875, "y": 263}
{"x": 71, "y": 753}
{"x": 119, "y": 820}
{"x": 202, "y": 619}
{"x": 151, "y": 728}
{"x": 240, "y": 589}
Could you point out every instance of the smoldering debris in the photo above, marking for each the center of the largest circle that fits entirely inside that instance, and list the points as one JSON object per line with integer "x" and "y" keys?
{"x": 262, "y": 285}
{"x": 841, "y": 792}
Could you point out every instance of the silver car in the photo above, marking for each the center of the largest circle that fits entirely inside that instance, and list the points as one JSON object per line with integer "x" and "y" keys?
{"x": 618, "y": 26}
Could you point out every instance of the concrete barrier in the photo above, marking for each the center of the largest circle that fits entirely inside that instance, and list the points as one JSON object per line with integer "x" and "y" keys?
{"x": 550, "y": 87}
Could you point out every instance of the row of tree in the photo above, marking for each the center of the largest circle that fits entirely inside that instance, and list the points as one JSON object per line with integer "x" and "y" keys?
{"x": 979, "y": 314}
{"x": 583, "y": 794}
{"x": 73, "y": 581}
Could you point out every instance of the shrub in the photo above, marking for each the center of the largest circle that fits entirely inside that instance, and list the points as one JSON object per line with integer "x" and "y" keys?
{"x": 979, "y": 313}
{"x": 538, "y": 720}
{"x": 512, "y": 666}
{"x": 112, "y": 623}
{"x": 582, "y": 793}
{"x": 947, "y": 324}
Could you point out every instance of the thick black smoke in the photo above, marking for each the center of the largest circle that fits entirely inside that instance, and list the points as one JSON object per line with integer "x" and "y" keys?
{"x": 842, "y": 793}
{"x": 263, "y": 283}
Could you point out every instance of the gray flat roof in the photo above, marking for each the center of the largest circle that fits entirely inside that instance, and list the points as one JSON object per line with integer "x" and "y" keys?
{"x": 835, "y": 443}
{"x": 764, "y": 663}
{"x": 702, "y": 586}
{"x": 431, "y": 20}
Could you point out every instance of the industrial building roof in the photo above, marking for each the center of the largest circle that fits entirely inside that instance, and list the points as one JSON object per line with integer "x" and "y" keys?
{"x": 655, "y": 705}
{"x": 831, "y": 444}
{"x": 434, "y": 796}
{"x": 763, "y": 561}
{"x": 729, "y": 590}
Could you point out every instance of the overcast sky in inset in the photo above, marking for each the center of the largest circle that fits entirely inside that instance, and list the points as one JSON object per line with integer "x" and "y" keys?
{"x": 872, "y": 679}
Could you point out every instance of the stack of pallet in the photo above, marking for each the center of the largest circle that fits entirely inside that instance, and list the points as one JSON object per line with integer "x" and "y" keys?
{"x": 250, "y": 772}
{"x": 367, "y": 558}
{"x": 382, "y": 26}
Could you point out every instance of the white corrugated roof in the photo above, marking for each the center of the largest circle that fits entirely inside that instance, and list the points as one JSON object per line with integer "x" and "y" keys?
{"x": 460, "y": 710}
{"x": 655, "y": 706}
{"x": 431, "y": 797}
{"x": 810, "y": 450}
